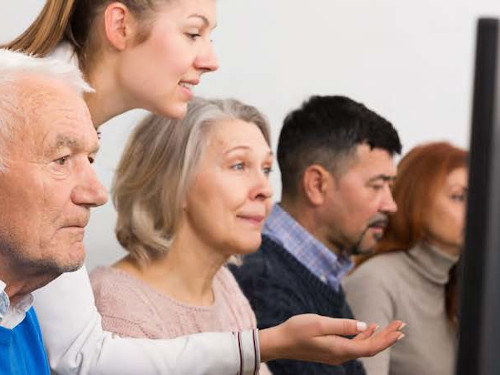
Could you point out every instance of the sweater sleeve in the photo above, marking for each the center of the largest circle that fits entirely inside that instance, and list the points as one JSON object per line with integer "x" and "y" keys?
{"x": 77, "y": 344}
{"x": 371, "y": 301}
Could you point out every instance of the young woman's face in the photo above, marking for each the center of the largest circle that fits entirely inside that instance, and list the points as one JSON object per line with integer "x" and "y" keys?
{"x": 159, "y": 73}
{"x": 230, "y": 196}
{"x": 446, "y": 218}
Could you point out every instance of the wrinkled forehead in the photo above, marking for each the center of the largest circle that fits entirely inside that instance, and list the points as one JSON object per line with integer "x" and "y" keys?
{"x": 47, "y": 107}
{"x": 42, "y": 96}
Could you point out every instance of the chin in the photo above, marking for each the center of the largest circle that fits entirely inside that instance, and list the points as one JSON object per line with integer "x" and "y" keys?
{"x": 248, "y": 247}
{"x": 366, "y": 248}
{"x": 176, "y": 112}
{"x": 73, "y": 261}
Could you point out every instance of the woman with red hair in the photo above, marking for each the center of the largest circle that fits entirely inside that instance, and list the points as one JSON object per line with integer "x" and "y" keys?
{"x": 412, "y": 273}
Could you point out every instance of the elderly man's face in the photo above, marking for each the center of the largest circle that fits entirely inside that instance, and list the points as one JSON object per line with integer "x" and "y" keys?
{"x": 49, "y": 185}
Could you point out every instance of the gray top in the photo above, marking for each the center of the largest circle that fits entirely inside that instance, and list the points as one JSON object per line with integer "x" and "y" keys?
{"x": 410, "y": 286}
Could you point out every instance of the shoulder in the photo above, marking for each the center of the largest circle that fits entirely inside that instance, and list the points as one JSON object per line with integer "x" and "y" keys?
{"x": 377, "y": 281}
{"x": 106, "y": 280}
{"x": 118, "y": 294}
{"x": 124, "y": 302}
{"x": 381, "y": 269}
{"x": 112, "y": 286}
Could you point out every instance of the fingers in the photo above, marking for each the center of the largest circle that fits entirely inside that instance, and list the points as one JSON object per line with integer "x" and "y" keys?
{"x": 367, "y": 333}
{"x": 382, "y": 339}
{"x": 343, "y": 327}
{"x": 368, "y": 345}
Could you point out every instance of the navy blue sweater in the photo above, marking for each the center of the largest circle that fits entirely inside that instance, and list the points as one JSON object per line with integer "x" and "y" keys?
{"x": 278, "y": 287}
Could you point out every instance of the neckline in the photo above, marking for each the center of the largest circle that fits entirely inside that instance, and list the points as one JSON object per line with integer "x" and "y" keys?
{"x": 165, "y": 296}
{"x": 431, "y": 262}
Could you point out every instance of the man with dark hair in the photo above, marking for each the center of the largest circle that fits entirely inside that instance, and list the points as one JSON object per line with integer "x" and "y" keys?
{"x": 337, "y": 169}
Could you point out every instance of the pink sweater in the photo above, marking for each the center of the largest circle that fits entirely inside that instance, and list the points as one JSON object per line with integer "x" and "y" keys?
{"x": 131, "y": 308}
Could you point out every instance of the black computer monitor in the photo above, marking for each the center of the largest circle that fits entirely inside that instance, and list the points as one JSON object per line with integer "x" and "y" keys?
{"x": 479, "y": 333}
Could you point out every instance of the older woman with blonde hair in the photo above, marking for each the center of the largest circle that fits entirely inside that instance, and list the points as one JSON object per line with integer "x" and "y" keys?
{"x": 412, "y": 273}
{"x": 188, "y": 197}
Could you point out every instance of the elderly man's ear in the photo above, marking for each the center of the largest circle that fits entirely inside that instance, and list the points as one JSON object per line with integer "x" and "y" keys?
{"x": 316, "y": 181}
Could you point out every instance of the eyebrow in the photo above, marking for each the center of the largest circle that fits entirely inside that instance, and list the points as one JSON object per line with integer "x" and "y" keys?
{"x": 243, "y": 148}
{"x": 463, "y": 187}
{"x": 71, "y": 143}
{"x": 204, "y": 19}
{"x": 382, "y": 177}
{"x": 64, "y": 141}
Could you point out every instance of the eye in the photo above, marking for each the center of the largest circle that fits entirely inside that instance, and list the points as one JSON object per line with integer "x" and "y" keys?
{"x": 267, "y": 170}
{"x": 91, "y": 159}
{"x": 458, "y": 197}
{"x": 377, "y": 187}
{"x": 62, "y": 161}
{"x": 193, "y": 36}
{"x": 238, "y": 166}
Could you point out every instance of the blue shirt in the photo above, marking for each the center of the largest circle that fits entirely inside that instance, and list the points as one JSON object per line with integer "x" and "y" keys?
{"x": 21, "y": 348}
{"x": 310, "y": 252}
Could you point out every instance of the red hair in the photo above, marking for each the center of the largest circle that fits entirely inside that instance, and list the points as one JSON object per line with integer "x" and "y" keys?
{"x": 421, "y": 172}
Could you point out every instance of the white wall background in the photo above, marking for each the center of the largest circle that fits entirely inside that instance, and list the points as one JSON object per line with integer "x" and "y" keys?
{"x": 411, "y": 61}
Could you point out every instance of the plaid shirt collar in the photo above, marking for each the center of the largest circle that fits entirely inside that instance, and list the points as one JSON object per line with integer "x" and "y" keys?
{"x": 315, "y": 256}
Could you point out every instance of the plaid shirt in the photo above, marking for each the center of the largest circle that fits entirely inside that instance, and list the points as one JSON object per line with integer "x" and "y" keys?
{"x": 315, "y": 256}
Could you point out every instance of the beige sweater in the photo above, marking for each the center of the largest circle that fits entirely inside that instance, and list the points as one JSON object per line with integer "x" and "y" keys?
{"x": 407, "y": 285}
{"x": 131, "y": 308}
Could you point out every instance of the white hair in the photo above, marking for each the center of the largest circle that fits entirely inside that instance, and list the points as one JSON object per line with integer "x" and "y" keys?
{"x": 15, "y": 66}
{"x": 15, "y": 63}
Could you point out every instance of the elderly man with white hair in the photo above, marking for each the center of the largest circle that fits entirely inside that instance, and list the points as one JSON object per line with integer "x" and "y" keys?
{"x": 47, "y": 187}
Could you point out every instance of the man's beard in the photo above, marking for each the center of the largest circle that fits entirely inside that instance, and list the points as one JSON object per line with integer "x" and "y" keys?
{"x": 380, "y": 220}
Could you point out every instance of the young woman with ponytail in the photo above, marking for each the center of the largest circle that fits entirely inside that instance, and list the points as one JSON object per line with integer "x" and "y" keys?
{"x": 149, "y": 54}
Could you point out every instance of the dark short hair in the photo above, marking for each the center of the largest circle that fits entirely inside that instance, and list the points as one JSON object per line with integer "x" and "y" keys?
{"x": 326, "y": 130}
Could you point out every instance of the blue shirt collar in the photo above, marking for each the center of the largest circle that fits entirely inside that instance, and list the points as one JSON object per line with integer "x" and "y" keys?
{"x": 310, "y": 252}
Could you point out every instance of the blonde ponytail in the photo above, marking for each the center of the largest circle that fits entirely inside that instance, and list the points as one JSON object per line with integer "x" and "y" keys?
{"x": 49, "y": 28}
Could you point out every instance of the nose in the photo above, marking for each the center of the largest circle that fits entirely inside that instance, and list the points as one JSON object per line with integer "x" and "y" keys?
{"x": 262, "y": 189}
{"x": 88, "y": 190}
{"x": 389, "y": 204}
{"x": 207, "y": 60}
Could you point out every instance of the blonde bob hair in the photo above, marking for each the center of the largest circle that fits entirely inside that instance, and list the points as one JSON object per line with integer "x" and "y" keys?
{"x": 157, "y": 166}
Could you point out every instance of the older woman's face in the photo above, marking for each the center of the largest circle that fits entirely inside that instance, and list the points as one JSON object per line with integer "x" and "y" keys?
{"x": 446, "y": 218}
{"x": 230, "y": 196}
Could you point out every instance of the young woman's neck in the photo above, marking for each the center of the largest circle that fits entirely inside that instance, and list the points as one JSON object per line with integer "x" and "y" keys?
{"x": 186, "y": 273}
{"x": 109, "y": 99}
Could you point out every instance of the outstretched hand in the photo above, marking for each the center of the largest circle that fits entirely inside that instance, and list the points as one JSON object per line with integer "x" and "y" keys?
{"x": 315, "y": 338}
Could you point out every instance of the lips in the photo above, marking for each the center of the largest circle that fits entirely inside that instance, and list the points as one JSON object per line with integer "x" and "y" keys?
{"x": 186, "y": 89}
{"x": 378, "y": 225}
{"x": 254, "y": 219}
{"x": 379, "y": 221}
{"x": 77, "y": 223}
{"x": 186, "y": 85}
